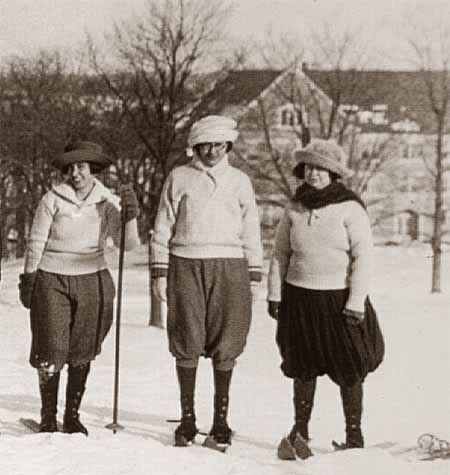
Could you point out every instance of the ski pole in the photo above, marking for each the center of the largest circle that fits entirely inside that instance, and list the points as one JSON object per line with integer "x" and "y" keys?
{"x": 115, "y": 426}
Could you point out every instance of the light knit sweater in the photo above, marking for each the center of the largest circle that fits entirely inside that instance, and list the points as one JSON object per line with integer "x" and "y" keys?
{"x": 325, "y": 248}
{"x": 68, "y": 235}
{"x": 207, "y": 213}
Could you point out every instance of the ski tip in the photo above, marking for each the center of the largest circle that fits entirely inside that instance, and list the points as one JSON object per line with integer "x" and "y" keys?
{"x": 30, "y": 424}
{"x": 34, "y": 426}
{"x": 285, "y": 451}
{"x": 211, "y": 443}
{"x": 338, "y": 445}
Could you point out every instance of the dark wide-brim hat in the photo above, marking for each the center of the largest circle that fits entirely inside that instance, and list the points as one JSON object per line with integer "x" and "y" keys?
{"x": 82, "y": 152}
{"x": 325, "y": 154}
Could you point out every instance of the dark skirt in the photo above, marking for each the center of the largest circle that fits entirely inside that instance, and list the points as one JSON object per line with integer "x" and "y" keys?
{"x": 314, "y": 338}
{"x": 70, "y": 317}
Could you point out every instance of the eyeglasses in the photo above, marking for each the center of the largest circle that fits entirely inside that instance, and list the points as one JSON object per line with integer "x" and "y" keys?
{"x": 209, "y": 146}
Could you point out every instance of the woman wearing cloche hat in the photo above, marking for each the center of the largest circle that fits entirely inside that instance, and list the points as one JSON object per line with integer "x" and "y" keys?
{"x": 318, "y": 289}
{"x": 206, "y": 250}
{"x": 66, "y": 283}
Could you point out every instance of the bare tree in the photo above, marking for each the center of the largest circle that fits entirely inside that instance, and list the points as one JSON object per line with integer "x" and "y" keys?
{"x": 310, "y": 100}
{"x": 156, "y": 79}
{"x": 43, "y": 106}
{"x": 431, "y": 47}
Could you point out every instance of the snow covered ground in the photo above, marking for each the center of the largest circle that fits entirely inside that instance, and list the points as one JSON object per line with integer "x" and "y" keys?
{"x": 409, "y": 395}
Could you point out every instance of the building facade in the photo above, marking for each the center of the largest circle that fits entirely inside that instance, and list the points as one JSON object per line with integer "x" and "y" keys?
{"x": 382, "y": 118}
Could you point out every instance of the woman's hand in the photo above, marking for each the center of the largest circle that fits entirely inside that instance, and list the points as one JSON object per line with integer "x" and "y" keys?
{"x": 353, "y": 317}
{"x": 159, "y": 288}
{"x": 273, "y": 309}
{"x": 26, "y": 285}
{"x": 129, "y": 203}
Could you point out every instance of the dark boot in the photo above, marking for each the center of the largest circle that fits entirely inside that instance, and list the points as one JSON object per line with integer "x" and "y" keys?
{"x": 352, "y": 397}
{"x": 187, "y": 430}
{"x": 296, "y": 443}
{"x": 76, "y": 385}
{"x": 303, "y": 404}
{"x": 48, "y": 388}
{"x": 220, "y": 430}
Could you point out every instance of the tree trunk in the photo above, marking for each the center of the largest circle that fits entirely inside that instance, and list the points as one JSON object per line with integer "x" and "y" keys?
{"x": 21, "y": 220}
{"x": 436, "y": 239}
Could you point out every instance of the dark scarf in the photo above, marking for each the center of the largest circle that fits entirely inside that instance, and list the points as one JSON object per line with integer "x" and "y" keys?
{"x": 335, "y": 192}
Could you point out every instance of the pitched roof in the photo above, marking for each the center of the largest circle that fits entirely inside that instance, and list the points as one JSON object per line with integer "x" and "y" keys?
{"x": 237, "y": 89}
{"x": 403, "y": 92}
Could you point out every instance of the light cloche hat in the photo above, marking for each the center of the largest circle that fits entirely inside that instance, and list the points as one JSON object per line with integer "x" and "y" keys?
{"x": 325, "y": 154}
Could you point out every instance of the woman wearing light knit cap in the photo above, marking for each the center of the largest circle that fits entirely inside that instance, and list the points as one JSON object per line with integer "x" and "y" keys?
{"x": 206, "y": 251}
{"x": 318, "y": 290}
{"x": 66, "y": 283}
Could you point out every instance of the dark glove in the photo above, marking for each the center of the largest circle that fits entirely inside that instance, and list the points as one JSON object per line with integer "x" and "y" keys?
{"x": 129, "y": 203}
{"x": 26, "y": 285}
{"x": 273, "y": 308}
{"x": 352, "y": 316}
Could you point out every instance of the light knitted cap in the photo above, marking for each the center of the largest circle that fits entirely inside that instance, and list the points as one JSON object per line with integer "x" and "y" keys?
{"x": 213, "y": 128}
{"x": 325, "y": 154}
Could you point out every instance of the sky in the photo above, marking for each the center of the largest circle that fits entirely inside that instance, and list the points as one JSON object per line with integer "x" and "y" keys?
{"x": 28, "y": 25}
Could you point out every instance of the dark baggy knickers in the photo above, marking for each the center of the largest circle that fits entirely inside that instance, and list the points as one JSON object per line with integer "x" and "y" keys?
{"x": 70, "y": 317}
{"x": 209, "y": 310}
{"x": 314, "y": 337}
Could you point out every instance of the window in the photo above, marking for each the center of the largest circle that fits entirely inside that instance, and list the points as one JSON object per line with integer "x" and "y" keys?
{"x": 291, "y": 116}
{"x": 287, "y": 117}
{"x": 365, "y": 117}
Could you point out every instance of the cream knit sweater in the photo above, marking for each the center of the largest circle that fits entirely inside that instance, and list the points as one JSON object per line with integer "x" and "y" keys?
{"x": 325, "y": 248}
{"x": 207, "y": 213}
{"x": 68, "y": 235}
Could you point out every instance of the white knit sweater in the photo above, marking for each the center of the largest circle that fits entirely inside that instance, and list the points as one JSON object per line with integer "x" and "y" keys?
{"x": 207, "y": 213}
{"x": 325, "y": 248}
{"x": 68, "y": 235}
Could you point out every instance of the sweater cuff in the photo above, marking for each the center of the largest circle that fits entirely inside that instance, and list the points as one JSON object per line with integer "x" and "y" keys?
{"x": 255, "y": 276}
{"x": 159, "y": 272}
{"x": 355, "y": 302}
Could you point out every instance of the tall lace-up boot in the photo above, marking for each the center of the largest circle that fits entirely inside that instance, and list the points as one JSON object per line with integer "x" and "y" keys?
{"x": 352, "y": 397}
{"x": 187, "y": 430}
{"x": 220, "y": 431}
{"x": 76, "y": 385}
{"x": 296, "y": 443}
{"x": 48, "y": 389}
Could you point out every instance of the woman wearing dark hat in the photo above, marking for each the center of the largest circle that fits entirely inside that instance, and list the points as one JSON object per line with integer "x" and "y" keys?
{"x": 318, "y": 293}
{"x": 66, "y": 283}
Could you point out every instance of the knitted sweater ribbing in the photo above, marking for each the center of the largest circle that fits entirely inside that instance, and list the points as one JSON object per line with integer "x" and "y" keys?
{"x": 207, "y": 213}
{"x": 69, "y": 236}
{"x": 325, "y": 248}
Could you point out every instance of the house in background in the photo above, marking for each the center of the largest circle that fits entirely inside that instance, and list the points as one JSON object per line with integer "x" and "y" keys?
{"x": 382, "y": 118}
{"x": 391, "y": 111}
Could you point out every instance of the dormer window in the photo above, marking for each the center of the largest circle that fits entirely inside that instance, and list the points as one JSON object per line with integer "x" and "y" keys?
{"x": 290, "y": 116}
{"x": 287, "y": 117}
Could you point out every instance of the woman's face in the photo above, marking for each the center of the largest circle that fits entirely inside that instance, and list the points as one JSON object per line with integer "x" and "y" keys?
{"x": 211, "y": 153}
{"x": 317, "y": 177}
{"x": 80, "y": 176}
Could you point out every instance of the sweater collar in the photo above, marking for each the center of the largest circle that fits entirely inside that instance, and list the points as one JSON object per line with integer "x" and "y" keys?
{"x": 98, "y": 194}
{"x": 213, "y": 171}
